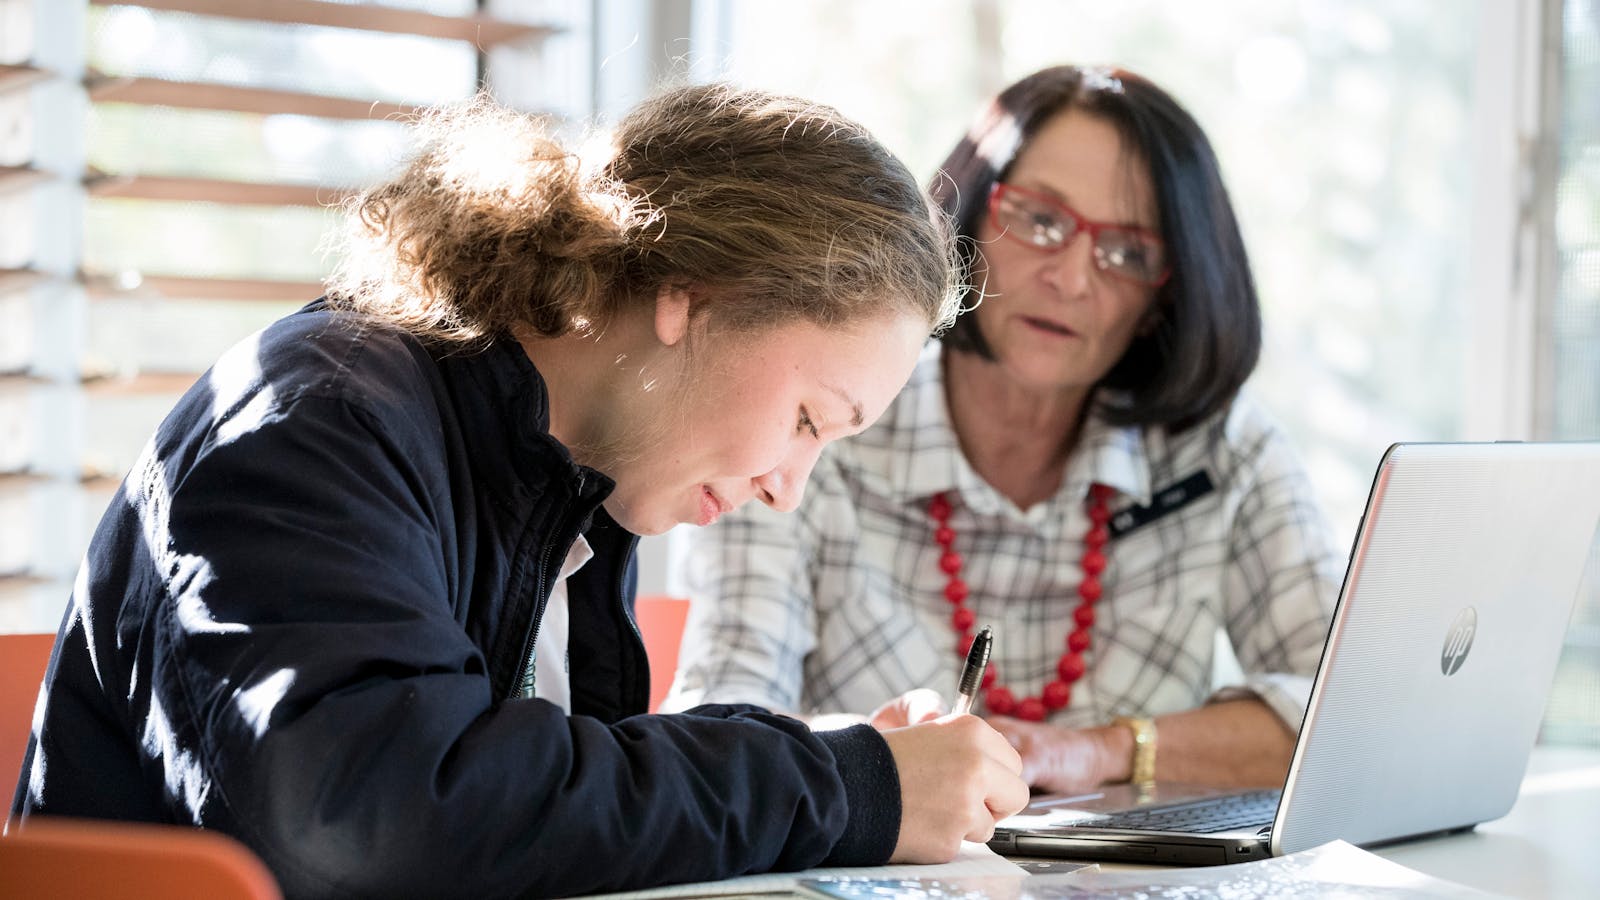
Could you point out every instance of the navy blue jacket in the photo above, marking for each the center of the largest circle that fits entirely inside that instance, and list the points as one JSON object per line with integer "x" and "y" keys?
{"x": 304, "y": 620}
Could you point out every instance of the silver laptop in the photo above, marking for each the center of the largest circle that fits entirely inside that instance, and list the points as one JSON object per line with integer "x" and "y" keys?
{"x": 1432, "y": 684}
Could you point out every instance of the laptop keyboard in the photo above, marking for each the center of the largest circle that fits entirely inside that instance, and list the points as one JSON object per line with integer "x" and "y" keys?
{"x": 1250, "y": 809}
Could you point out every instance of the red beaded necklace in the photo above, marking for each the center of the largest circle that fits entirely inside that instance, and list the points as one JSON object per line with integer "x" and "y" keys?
{"x": 997, "y": 698}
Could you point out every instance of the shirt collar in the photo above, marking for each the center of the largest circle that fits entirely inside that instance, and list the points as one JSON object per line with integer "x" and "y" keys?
{"x": 923, "y": 456}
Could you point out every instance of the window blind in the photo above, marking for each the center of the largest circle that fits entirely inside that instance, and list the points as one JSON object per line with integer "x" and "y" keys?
{"x": 168, "y": 170}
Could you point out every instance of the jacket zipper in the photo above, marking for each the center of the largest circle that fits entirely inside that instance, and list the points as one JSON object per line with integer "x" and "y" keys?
{"x": 627, "y": 613}
{"x": 522, "y": 685}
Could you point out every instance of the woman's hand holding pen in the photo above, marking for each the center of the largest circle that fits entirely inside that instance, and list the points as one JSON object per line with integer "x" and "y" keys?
{"x": 958, "y": 777}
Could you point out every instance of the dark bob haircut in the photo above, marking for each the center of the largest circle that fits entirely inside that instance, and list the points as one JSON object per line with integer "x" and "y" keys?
{"x": 1207, "y": 331}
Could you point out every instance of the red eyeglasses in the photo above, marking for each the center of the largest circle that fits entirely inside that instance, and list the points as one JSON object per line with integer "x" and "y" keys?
{"x": 1045, "y": 223}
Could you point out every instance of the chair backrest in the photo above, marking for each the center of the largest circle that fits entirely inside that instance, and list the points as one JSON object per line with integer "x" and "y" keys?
{"x": 661, "y": 621}
{"x": 23, "y": 658}
{"x": 47, "y": 858}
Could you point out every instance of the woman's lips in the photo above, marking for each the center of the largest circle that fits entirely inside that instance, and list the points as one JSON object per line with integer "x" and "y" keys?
{"x": 711, "y": 506}
{"x": 1049, "y": 327}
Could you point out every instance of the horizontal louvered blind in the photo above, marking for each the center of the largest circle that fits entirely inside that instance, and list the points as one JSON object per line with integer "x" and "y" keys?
{"x": 168, "y": 171}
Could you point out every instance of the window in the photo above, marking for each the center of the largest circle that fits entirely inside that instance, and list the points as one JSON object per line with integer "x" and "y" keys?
{"x": 1572, "y": 383}
{"x": 167, "y": 170}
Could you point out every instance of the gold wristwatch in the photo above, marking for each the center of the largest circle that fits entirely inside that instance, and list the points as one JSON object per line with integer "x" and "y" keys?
{"x": 1144, "y": 747}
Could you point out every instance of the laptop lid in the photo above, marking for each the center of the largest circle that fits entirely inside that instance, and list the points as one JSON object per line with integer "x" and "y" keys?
{"x": 1402, "y": 736}
{"x": 1445, "y": 641}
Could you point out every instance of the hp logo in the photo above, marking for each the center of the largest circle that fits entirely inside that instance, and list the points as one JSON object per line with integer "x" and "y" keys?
{"x": 1458, "y": 641}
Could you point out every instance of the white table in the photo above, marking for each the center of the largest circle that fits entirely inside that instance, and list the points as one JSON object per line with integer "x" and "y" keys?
{"x": 1547, "y": 846}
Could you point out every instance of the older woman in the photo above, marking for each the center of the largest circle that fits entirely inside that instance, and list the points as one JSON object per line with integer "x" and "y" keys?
{"x": 1075, "y": 466}
{"x": 365, "y": 600}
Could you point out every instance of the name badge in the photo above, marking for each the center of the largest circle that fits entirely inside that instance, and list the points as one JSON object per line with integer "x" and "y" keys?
{"x": 1167, "y": 500}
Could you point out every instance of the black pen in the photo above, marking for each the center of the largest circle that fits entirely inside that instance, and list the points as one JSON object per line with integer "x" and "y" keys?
{"x": 972, "y": 672}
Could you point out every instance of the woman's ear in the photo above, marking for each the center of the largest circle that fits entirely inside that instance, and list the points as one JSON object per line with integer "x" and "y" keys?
{"x": 672, "y": 313}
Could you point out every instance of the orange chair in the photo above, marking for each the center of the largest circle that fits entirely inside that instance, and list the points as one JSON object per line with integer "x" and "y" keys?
{"x": 45, "y": 859}
{"x": 23, "y": 658}
{"x": 661, "y": 621}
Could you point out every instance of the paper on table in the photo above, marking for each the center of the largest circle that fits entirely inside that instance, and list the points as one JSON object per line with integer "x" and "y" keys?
{"x": 969, "y": 887}
{"x": 973, "y": 860}
{"x": 1335, "y": 869}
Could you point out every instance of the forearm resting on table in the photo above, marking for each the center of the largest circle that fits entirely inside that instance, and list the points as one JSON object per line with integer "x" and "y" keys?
{"x": 1235, "y": 743}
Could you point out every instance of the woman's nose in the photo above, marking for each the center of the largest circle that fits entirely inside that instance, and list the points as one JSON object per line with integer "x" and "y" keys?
{"x": 779, "y": 492}
{"x": 784, "y": 485}
{"x": 1071, "y": 269}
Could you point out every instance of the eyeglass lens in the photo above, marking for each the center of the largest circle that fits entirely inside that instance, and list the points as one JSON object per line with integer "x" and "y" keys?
{"x": 1049, "y": 226}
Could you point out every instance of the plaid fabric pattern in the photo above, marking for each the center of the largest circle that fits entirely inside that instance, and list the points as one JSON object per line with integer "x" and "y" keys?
{"x": 840, "y": 606}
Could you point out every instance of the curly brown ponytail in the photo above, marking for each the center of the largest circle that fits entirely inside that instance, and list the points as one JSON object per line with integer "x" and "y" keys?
{"x": 782, "y": 209}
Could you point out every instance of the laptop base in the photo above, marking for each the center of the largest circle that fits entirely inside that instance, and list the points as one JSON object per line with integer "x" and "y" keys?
{"x": 1129, "y": 849}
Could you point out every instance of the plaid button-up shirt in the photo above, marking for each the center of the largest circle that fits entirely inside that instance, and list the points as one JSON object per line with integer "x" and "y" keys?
{"x": 840, "y": 606}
